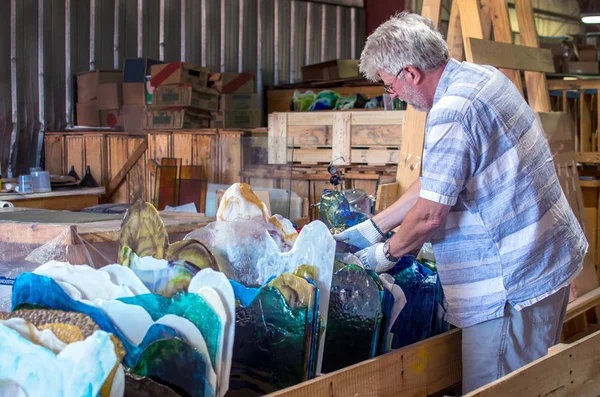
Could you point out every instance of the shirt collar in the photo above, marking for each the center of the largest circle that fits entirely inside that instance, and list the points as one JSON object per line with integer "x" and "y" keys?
{"x": 444, "y": 82}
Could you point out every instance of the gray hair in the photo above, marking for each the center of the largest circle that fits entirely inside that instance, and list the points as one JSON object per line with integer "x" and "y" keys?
{"x": 404, "y": 39}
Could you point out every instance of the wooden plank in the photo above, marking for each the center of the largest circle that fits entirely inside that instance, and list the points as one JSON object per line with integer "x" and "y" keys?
{"x": 75, "y": 154}
{"x": 277, "y": 141}
{"x": 206, "y": 154}
{"x": 510, "y": 56}
{"x": 469, "y": 11}
{"x": 159, "y": 145}
{"x": 73, "y": 203}
{"x": 379, "y": 117}
{"x": 455, "y": 39}
{"x": 592, "y": 84}
{"x": 96, "y": 157}
{"x": 582, "y": 304}
{"x": 416, "y": 370}
{"x": 503, "y": 34}
{"x": 386, "y": 195}
{"x": 183, "y": 147}
{"x": 367, "y": 156}
{"x": 587, "y": 157}
{"x": 432, "y": 9}
{"x": 573, "y": 371}
{"x": 585, "y": 122}
{"x": 411, "y": 149}
{"x": 121, "y": 175}
{"x": 485, "y": 13}
{"x": 117, "y": 157}
{"x": 592, "y": 183}
{"x": 54, "y": 154}
{"x": 136, "y": 177}
{"x": 35, "y": 234}
{"x": 314, "y": 135}
{"x": 341, "y": 138}
{"x": 537, "y": 89}
{"x": 309, "y": 118}
{"x": 230, "y": 157}
{"x": 384, "y": 135}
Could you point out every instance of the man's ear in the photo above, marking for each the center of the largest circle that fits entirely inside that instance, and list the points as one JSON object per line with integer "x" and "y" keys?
{"x": 413, "y": 75}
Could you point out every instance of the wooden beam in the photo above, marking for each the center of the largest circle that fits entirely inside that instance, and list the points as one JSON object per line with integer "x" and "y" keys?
{"x": 413, "y": 135}
{"x": 342, "y": 128}
{"x": 386, "y": 195}
{"x": 583, "y": 304}
{"x": 587, "y": 157}
{"x": 118, "y": 179}
{"x": 485, "y": 13}
{"x": 593, "y": 84}
{"x": 455, "y": 40}
{"x": 510, "y": 56}
{"x": 537, "y": 89}
{"x": 570, "y": 371}
{"x": 416, "y": 370}
{"x": 472, "y": 26}
{"x": 503, "y": 34}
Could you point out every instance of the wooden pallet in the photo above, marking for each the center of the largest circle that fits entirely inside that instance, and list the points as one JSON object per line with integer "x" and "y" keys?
{"x": 345, "y": 137}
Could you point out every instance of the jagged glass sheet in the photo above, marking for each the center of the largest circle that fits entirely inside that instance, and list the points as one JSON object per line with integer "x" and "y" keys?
{"x": 80, "y": 369}
{"x": 32, "y": 290}
{"x": 335, "y": 212}
{"x": 189, "y": 306}
{"x": 420, "y": 285}
{"x": 355, "y": 313}
{"x": 274, "y": 341}
{"x": 177, "y": 365}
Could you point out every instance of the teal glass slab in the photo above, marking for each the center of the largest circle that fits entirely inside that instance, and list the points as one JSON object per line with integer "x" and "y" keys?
{"x": 273, "y": 343}
{"x": 354, "y": 317}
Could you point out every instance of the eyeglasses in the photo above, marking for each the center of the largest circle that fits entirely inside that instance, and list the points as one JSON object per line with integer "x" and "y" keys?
{"x": 390, "y": 88}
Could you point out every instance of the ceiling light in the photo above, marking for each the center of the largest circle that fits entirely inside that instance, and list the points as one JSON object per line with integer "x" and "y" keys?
{"x": 590, "y": 19}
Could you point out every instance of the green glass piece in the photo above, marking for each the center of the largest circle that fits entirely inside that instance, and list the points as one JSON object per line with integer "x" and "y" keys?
{"x": 354, "y": 317}
{"x": 272, "y": 348}
{"x": 177, "y": 365}
{"x": 191, "y": 307}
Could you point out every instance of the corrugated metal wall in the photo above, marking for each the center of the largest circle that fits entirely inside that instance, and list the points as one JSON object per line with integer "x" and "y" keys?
{"x": 305, "y": 32}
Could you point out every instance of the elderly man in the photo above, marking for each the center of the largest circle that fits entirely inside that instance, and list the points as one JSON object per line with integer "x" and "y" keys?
{"x": 506, "y": 242}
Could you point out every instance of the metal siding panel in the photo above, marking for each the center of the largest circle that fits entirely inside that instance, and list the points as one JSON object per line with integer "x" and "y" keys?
{"x": 330, "y": 33}
{"x": 249, "y": 37}
{"x": 5, "y": 106}
{"x": 195, "y": 18}
{"x": 268, "y": 41}
{"x": 213, "y": 32}
{"x": 299, "y": 45}
{"x": 151, "y": 22}
{"x": 128, "y": 23}
{"x": 284, "y": 41}
{"x": 315, "y": 34}
{"x": 361, "y": 30}
{"x": 172, "y": 30}
{"x": 55, "y": 65}
{"x": 345, "y": 33}
{"x": 231, "y": 35}
{"x": 105, "y": 25}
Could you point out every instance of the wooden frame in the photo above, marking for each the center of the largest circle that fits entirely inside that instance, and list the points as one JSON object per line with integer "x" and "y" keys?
{"x": 339, "y": 136}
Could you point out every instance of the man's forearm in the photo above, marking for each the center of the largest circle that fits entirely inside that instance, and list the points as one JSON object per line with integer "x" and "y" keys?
{"x": 394, "y": 215}
{"x": 415, "y": 230}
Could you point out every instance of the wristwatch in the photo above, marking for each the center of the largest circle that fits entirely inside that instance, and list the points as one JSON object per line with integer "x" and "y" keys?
{"x": 386, "y": 252}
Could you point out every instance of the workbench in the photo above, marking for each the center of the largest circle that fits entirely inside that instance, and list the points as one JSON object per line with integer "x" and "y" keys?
{"x": 66, "y": 200}
{"x": 30, "y": 235}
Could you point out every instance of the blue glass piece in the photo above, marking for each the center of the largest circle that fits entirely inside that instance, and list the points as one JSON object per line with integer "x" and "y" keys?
{"x": 32, "y": 289}
{"x": 335, "y": 212}
{"x": 419, "y": 283}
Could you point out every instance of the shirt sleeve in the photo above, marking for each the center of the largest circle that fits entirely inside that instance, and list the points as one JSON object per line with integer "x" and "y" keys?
{"x": 448, "y": 163}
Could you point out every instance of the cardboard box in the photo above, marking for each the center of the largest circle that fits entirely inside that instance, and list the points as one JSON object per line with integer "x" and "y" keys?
{"x": 232, "y": 83}
{"x": 239, "y": 102}
{"x": 87, "y": 114}
{"x": 175, "y": 119}
{"x": 133, "y": 117}
{"x": 135, "y": 70}
{"x": 110, "y": 96}
{"x": 178, "y": 73}
{"x": 588, "y": 53}
{"x": 331, "y": 70}
{"x": 590, "y": 67}
{"x": 235, "y": 119}
{"x": 111, "y": 118}
{"x": 134, "y": 93}
{"x": 185, "y": 95}
{"x": 87, "y": 83}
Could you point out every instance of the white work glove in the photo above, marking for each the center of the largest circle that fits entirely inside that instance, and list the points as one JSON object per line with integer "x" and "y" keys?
{"x": 362, "y": 235}
{"x": 373, "y": 258}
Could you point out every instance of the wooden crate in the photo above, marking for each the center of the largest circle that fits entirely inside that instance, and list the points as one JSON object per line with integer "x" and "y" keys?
{"x": 63, "y": 150}
{"x": 357, "y": 137}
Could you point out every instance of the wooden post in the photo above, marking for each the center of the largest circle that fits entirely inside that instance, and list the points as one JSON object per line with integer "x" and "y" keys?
{"x": 537, "y": 88}
{"x": 342, "y": 125}
{"x": 413, "y": 136}
{"x": 503, "y": 34}
{"x": 454, "y": 39}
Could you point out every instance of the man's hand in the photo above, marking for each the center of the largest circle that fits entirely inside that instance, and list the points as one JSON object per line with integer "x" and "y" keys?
{"x": 373, "y": 258}
{"x": 362, "y": 235}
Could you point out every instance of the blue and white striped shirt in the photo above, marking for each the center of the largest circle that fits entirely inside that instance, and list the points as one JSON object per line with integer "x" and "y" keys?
{"x": 511, "y": 235}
